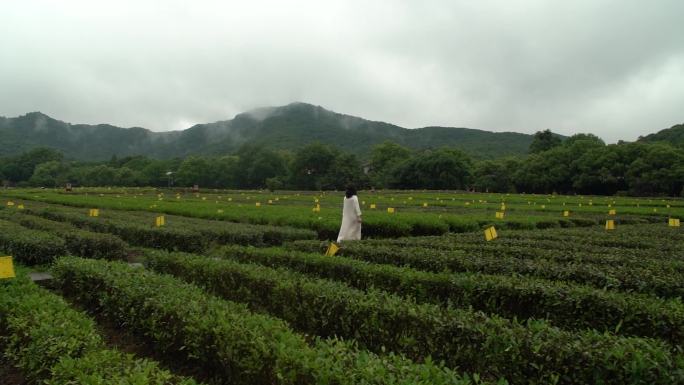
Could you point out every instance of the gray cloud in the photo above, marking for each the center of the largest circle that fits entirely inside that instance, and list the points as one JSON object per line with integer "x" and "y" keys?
{"x": 614, "y": 68}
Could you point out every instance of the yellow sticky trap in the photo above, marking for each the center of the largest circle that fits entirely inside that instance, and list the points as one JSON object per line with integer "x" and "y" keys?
{"x": 668, "y": 206}
{"x": 372, "y": 205}
{"x": 566, "y": 213}
{"x": 610, "y": 224}
{"x": 160, "y": 221}
{"x": 204, "y": 198}
{"x": 332, "y": 249}
{"x": 655, "y": 210}
{"x": 425, "y": 204}
{"x": 390, "y": 210}
{"x": 230, "y": 199}
{"x": 499, "y": 214}
{"x": 270, "y": 201}
{"x": 258, "y": 204}
{"x": 94, "y": 212}
{"x": 10, "y": 203}
{"x": 490, "y": 233}
{"x": 611, "y": 212}
{"x": 410, "y": 198}
{"x": 363, "y": 203}
{"x": 20, "y": 207}
{"x": 219, "y": 211}
{"x": 6, "y": 268}
{"x": 467, "y": 203}
{"x": 543, "y": 206}
{"x": 674, "y": 222}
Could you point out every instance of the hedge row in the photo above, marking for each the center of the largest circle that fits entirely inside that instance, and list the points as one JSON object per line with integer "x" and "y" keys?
{"x": 532, "y": 354}
{"x": 565, "y": 305}
{"x": 224, "y": 339}
{"x": 661, "y": 278}
{"x": 77, "y": 242}
{"x": 48, "y": 341}
{"x": 653, "y": 240}
{"x": 30, "y": 247}
{"x": 377, "y": 223}
{"x": 177, "y": 234}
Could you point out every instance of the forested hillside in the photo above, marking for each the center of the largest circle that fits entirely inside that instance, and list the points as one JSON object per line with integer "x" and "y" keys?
{"x": 673, "y": 135}
{"x": 287, "y": 128}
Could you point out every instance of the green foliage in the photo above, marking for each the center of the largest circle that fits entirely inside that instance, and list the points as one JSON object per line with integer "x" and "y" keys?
{"x": 441, "y": 169}
{"x": 564, "y": 305}
{"x": 534, "y": 354}
{"x": 495, "y": 175}
{"x": 54, "y": 344}
{"x": 30, "y": 247}
{"x": 673, "y": 135}
{"x": 77, "y": 242}
{"x": 384, "y": 157}
{"x": 544, "y": 141}
{"x": 257, "y": 164}
{"x": 179, "y": 233}
{"x": 224, "y": 339}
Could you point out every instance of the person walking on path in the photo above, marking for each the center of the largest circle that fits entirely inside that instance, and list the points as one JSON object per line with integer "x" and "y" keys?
{"x": 351, "y": 217}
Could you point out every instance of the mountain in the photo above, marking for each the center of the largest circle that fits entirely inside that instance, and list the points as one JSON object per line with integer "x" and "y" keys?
{"x": 673, "y": 135}
{"x": 286, "y": 127}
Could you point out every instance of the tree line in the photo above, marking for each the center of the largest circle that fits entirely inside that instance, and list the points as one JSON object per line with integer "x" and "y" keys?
{"x": 581, "y": 164}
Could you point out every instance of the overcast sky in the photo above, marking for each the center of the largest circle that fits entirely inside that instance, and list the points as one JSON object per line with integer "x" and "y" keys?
{"x": 613, "y": 68}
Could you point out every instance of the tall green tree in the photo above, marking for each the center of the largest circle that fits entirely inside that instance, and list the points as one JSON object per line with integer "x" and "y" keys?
{"x": 495, "y": 175}
{"x": 544, "y": 141}
{"x": 49, "y": 174}
{"x": 310, "y": 165}
{"x": 440, "y": 169}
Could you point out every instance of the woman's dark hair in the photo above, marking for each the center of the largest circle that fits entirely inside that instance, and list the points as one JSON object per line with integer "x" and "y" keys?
{"x": 351, "y": 191}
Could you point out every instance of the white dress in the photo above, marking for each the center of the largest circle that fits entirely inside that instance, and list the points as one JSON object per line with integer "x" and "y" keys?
{"x": 351, "y": 225}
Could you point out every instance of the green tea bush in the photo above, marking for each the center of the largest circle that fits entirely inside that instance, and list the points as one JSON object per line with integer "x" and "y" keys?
{"x": 565, "y": 305}
{"x": 462, "y": 338}
{"x": 226, "y": 340}
{"x": 28, "y": 246}
{"x": 54, "y": 344}
{"x": 78, "y": 242}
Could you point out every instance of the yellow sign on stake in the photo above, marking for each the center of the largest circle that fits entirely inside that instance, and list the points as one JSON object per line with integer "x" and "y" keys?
{"x": 499, "y": 214}
{"x": 6, "y": 268}
{"x": 372, "y": 205}
{"x": 566, "y": 213}
{"x": 160, "y": 221}
{"x": 490, "y": 233}
{"x": 332, "y": 249}
{"x": 258, "y": 204}
{"x": 610, "y": 224}
{"x": 673, "y": 222}
{"x": 94, "y": 212}
{"x": 390, "y": 210}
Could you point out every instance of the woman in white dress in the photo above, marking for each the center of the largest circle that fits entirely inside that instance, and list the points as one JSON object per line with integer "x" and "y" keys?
{"x": 351, "y": 217}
